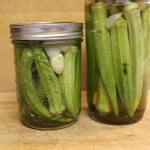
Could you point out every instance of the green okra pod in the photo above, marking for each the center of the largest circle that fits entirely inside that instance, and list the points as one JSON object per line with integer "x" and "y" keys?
{"x": 69, "y": 79}
{"x": 122, "y": 63}
{"x": 62, "y": 87}
{"x": 92, "y": 76}
{"x": 64, "y": 120}
{"x": 102, "y": 46}
{"x": 49, "y": 81}
{"x": 146, "y": 28}
{"x": 136, "y": 41}
{"x": 77, "y": 86}
{"x": 103, "y": 104}
{"x": 28, "y": 88}
{"x": 18, "y": 53}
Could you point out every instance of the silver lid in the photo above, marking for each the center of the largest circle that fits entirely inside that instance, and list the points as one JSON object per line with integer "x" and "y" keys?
{"x": 46, "y": 31}
{"x": 125, "y": 1}
{"x": 116, "y": 1}
{"x": 143, "y": 1}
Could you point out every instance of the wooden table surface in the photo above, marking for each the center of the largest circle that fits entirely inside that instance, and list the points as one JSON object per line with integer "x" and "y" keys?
{"x": 86, "y": 134}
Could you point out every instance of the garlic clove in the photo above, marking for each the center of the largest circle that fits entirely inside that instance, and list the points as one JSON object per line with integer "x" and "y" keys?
{"x": 57, "y": 63}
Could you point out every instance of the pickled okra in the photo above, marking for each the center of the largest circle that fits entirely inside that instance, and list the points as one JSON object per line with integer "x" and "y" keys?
{"x": 91, "y": 63}
{"x": 18, "y": 54}
{"x": 29, "y": 90}
{"x": 103, "y": 50}
{"x": 103, "y": 105}
{"x": 69, "y": 74}
{"x": 49, "y": 81}
{"x": 117, "y": 37}
{"x": 136, "y": 39}
{"x": 146, "y": 27}
{"x": 46, "y": 93}
{"x": 122, "y": 63}
{"x": 77, "y": 83}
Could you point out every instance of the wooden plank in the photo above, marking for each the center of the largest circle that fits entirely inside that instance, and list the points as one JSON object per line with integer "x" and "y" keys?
{"x": 86, "y": 134}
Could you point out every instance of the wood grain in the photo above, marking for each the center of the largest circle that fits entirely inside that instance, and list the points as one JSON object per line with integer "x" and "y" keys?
{"x": 17, "y": 11}
{"x": 86, "y": 134}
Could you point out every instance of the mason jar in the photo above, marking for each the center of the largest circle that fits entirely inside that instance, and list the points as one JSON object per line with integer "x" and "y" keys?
{"x": 48, "y": 73}
{"x": 118, "y": 47}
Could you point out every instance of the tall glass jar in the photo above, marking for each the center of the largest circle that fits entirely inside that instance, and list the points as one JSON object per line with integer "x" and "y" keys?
{"x": 118, "y": 46}
{"x": 48, "y": 73}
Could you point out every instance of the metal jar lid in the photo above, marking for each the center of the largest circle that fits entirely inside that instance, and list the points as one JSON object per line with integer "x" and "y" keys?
{"x": 116, "y": 1}
{"x": 143, "y": 1}
{"x": 46, "y": 31}
{"x": 125, "y": 1}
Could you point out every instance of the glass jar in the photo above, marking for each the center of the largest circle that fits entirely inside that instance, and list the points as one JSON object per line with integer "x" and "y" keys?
{"x": 48, "y": 73}
{"x": 118, "y": 45}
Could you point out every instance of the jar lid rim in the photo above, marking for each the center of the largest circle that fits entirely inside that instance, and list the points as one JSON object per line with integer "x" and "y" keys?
{"x": 125, "y": 1}
{"x": 39, "y": 30}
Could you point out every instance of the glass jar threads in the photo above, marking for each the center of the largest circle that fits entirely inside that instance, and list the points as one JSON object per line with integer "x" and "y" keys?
{"x": 118, "y": 45}
{"x": 48, "y": 73}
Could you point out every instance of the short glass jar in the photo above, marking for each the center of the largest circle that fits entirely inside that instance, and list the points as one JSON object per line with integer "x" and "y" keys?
{"x": 118, "y": 48}
{"x": 48, "y": 73}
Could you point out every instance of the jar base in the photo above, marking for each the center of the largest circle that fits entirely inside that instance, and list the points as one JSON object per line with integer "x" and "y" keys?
{"x": 116, "y": 120}
{"x": 52, "y": 126}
